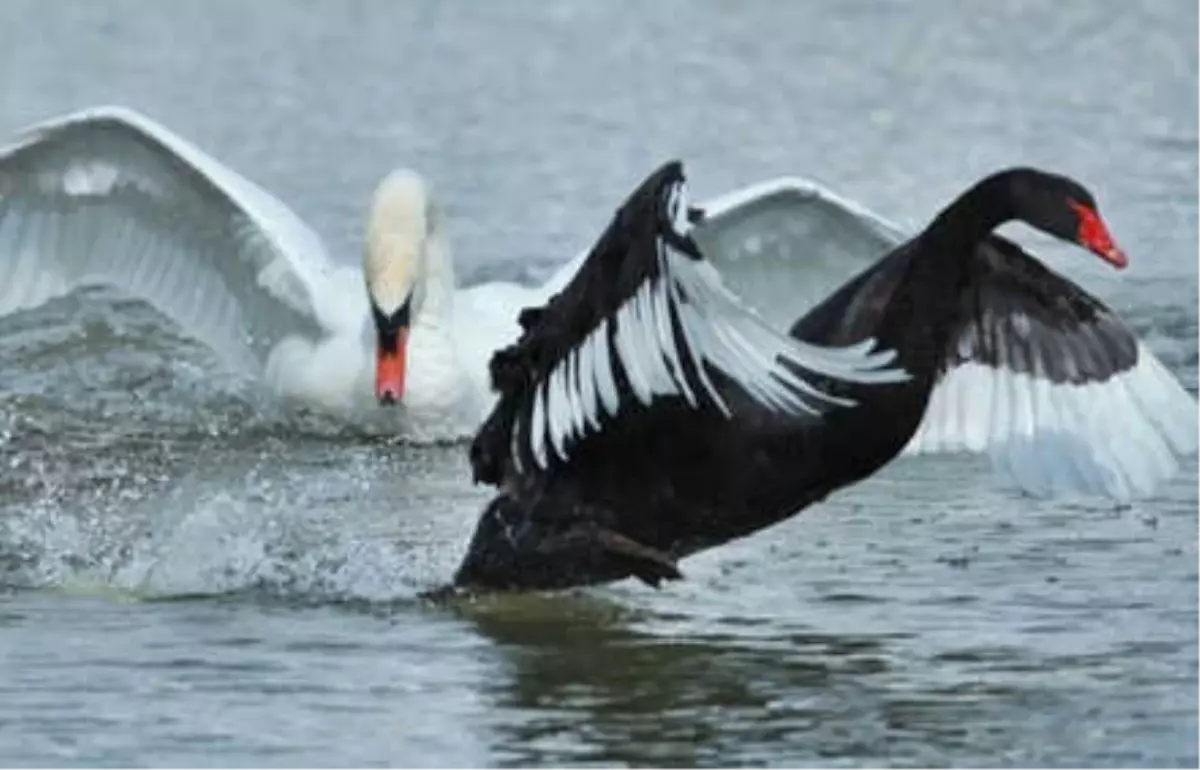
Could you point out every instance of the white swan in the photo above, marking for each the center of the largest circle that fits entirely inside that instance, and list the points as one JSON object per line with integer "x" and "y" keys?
{"x": 108, "y": 196}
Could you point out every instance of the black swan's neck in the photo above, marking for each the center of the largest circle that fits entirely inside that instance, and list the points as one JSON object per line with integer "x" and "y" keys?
{"x": 973, "y": 215}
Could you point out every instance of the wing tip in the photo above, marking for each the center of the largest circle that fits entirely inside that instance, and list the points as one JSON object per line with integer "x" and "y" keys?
{"x": 98, "y": 113}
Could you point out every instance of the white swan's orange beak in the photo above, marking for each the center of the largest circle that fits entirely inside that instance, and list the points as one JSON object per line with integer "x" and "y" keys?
{"x": 391, "y": 352}
{"x": 390, "y": 367}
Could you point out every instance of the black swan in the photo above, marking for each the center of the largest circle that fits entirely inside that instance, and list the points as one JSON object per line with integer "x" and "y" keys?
{"x": 645, "y": 414}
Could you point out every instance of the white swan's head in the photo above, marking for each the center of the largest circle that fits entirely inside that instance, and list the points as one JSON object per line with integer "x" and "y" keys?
{"x": 397, "y": 235}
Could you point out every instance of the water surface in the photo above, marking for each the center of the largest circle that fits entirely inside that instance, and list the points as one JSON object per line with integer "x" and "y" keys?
{"x": 192, "y": 574}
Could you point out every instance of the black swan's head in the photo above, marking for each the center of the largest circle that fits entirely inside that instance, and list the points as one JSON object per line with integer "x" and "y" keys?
{"x": 1063, "y": 208}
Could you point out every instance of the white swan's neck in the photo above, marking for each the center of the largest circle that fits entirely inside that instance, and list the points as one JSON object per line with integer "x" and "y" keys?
{"x": 437, "y": 284}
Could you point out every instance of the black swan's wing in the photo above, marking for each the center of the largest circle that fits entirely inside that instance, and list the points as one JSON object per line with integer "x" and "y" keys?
{"x": 1053, "y": 386}
{"x": 645, "y": 317}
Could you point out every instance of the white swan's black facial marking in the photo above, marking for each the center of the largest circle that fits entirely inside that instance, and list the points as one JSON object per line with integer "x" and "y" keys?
{"x": 392, "y": 351}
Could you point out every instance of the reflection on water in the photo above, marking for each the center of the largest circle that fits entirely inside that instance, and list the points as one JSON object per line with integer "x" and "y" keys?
{"x": 586, "y": 681}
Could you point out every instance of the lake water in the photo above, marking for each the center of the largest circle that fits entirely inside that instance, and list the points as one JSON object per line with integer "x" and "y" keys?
{"x": 191, "y": 574}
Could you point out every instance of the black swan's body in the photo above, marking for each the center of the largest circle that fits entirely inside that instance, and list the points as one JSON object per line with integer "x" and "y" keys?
{"x": 691, "y": 445}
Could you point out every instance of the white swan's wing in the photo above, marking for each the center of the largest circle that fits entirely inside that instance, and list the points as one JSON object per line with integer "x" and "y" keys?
{"x": 108, "y": 197}
{"x": 783, "y": 246}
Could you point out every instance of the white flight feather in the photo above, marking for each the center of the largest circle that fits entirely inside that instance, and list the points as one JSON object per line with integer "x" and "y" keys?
{"x": 1120, "y": 437}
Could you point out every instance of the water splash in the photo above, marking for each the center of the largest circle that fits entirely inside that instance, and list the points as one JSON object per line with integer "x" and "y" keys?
{"x": 132, "y": 462}
{"x": 192, "y": 539}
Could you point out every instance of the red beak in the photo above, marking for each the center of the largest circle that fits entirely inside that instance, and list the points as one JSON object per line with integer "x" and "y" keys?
{"x": 1094, "y": 235}
{"x": 389, "y": 370}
